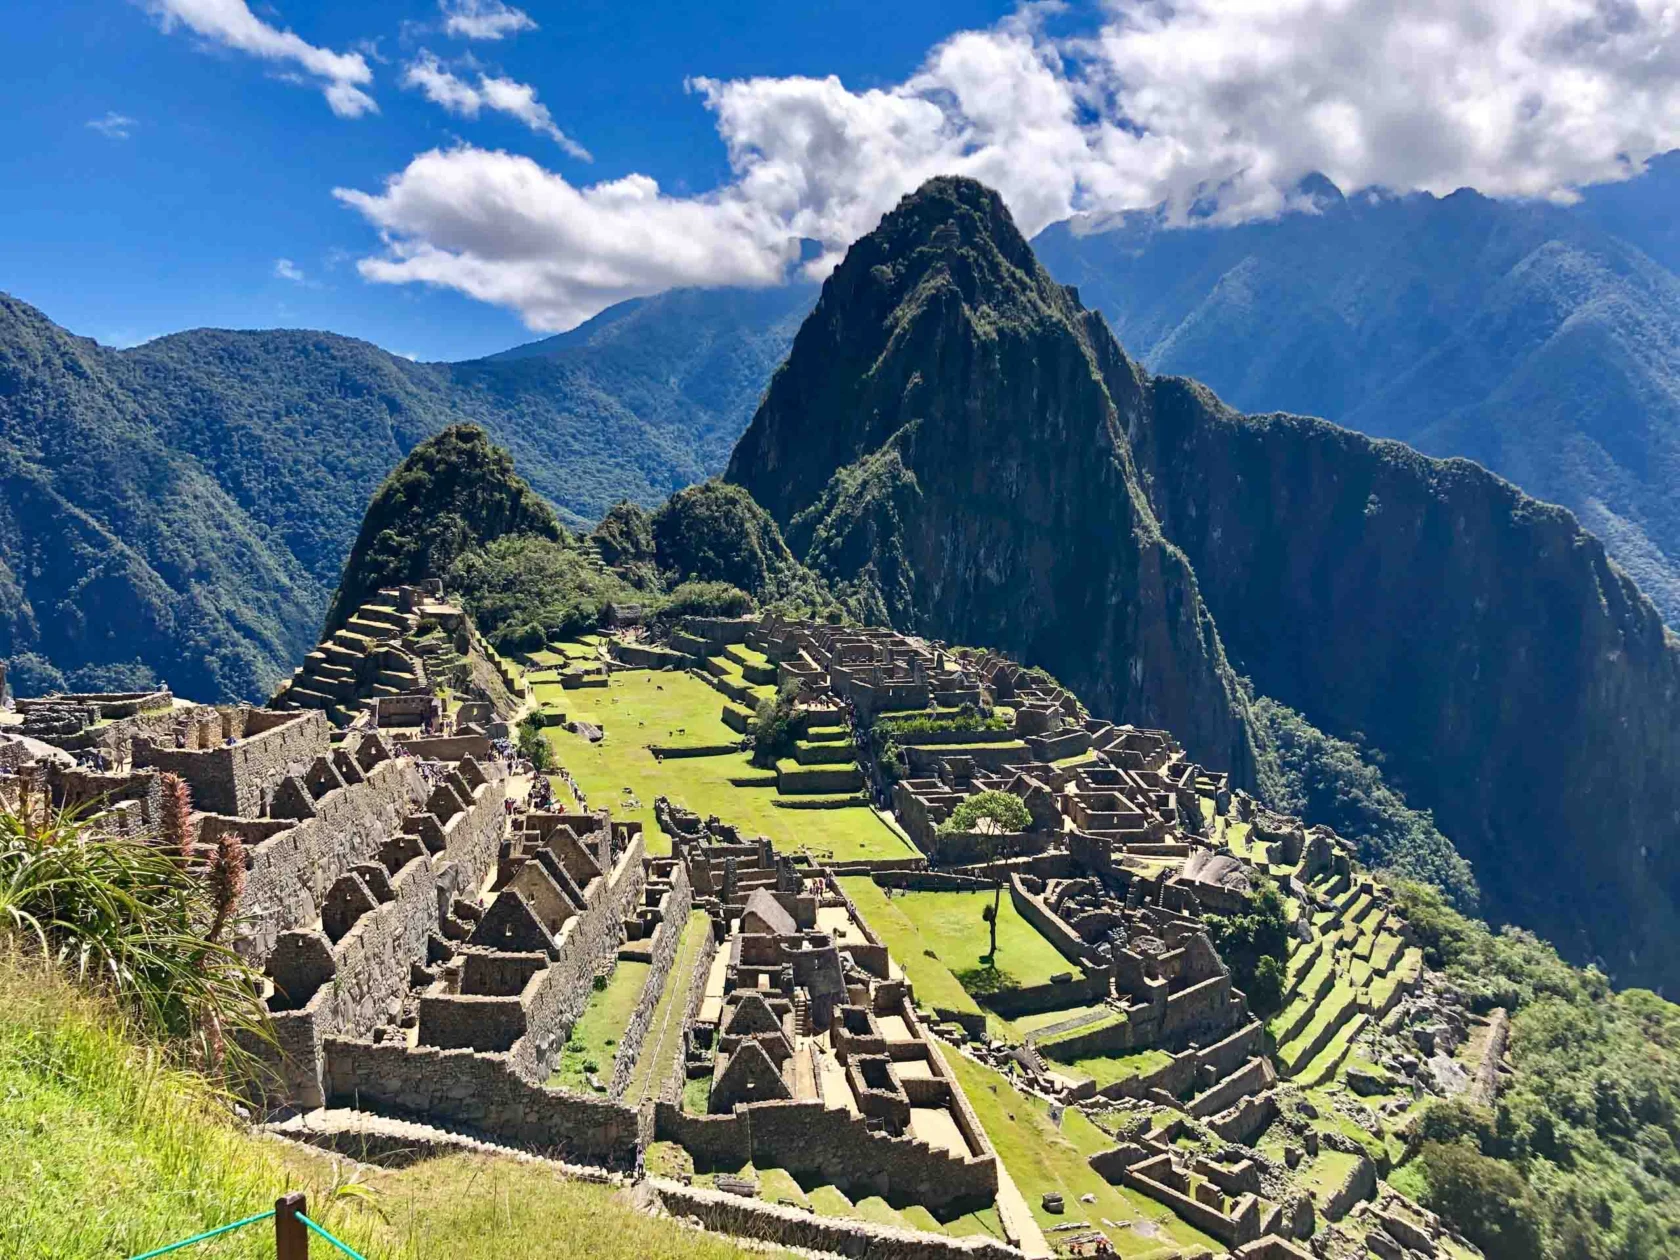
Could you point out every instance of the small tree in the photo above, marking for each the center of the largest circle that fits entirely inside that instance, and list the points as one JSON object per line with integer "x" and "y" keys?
{"x": 773, "y": 730}
{"x": 1254, "y": 944}
{"x": 534, "y": 746}
{"x": 994, "y": 815}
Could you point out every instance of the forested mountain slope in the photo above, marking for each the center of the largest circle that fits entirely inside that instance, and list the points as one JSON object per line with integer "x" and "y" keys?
{"x": 1541, "y": 341}
{"x": 207, "y": 486}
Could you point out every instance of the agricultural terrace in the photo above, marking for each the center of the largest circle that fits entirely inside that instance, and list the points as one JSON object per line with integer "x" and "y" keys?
{"x": 638, "y": 708}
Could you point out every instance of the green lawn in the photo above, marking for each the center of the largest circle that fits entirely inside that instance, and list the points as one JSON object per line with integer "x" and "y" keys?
{"x": 934, "y": 984}
{"x": 642, "y": 707}
{"x": 951, "y": 925}
{"x": 594, "y": 1038}
{"x": 1041, "y": 1157}
{"x": 664, "y": 1045}
{"x": 1106, "y": 1069}
{"x": 1021, "y": 1026}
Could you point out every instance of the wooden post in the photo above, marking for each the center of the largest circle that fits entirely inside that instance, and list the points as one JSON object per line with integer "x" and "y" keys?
{"x": 291, "y": 1236}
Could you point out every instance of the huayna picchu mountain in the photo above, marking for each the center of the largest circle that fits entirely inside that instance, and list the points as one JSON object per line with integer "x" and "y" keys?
{"x": 954, "y": 436}
{"x": 922, "y": 439}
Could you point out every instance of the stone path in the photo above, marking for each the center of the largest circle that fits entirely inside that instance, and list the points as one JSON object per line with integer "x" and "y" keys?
{"x": 1018, "y": 1220}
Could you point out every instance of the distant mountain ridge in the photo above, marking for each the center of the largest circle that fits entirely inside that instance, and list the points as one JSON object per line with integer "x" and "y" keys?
{"x": 208, "y": 485}
{"x": 1542, "y": 341}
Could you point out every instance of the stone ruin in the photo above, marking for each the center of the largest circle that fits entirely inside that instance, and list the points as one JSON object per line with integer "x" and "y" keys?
{"x": 429, "y": 944}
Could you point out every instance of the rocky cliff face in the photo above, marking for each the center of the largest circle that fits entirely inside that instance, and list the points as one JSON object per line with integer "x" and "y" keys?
{"x": 948, "y": 436}
{"x": 1516, "y": 682}
{"x": 957, "y": 439}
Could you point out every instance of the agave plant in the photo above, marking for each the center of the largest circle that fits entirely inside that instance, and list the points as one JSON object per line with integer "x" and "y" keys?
{"x": 133, "y": 920}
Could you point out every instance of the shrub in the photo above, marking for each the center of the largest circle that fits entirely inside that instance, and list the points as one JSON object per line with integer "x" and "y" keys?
{"x": 131, "y": 919}
{"x": 534, "y": 746}
{"x": 707, "y": 599}
{"x": 773, "y": 732}
{"x": 1485, "y": 1200}
{"x": 1254, "y": 944}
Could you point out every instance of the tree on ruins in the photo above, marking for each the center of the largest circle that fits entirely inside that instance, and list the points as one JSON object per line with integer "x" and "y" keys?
{"x": 995, "y": 816}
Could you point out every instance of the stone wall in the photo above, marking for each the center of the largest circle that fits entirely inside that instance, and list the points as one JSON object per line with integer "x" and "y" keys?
{"x": 371, "y": 964}
{"x": 445, "y": 747}
{"x": 673, "y": 910}
{"x": 1359, "y": 1184}
{"x": 1247, "y": 1118}
{"x": 791, "y": 1227}
{"x": 482, "y": 1093}
{"x": 671, "y": 1088}
{"x": 290, "y": 872}
{"x": 475, "y": 1021}
{"x": 809, "y": 1139}
{"x": 1254, "y": 1076}
{"x": 585, "y": 941}
{"x": 240, "y": 778}
{"x": 1069, "y": 944}
{"x": 1200, "y": 1006}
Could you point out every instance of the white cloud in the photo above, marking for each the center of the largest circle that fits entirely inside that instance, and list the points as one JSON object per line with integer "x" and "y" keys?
{"x": 483, "y": 19}
{"x": 1210, "y": 109}
{"x": 518, "y": 100}
{"x": 286, "y": 269}
{"x": 504, "y": 230}
{"x": 113, "y": 126}
{"x": 341, "y": 76}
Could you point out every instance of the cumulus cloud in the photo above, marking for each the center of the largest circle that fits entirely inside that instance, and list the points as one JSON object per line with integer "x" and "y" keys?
{"x": 483, "y": 19}
{"x": 505, "y": 96}
{"x": 1208, "y": 111}
{"x": 113, "y": 126}
{"x": 499, "y": 227}
{"x": 286, "y": 269}
{"x": 341, "y": 76}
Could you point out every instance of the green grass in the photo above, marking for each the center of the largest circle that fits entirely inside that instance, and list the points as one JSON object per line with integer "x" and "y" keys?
{"x": 1106, "y": 1069}
{"x": 109, "y": 1153}
{"x": 663, "y": 1048}
{"x": 642, "y": 707}
{"x": 1019, "y": 1028}
{"x": 1041, "y": 1158}
{"x": 1326, "y": 1171}
{"x": 594, "y": 1038}
{"x": 934, "y": 984}
{"x": 950, "y": 924}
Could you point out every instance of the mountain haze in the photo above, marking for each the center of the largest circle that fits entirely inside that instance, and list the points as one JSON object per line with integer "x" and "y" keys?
{"x": 954, "y": 434}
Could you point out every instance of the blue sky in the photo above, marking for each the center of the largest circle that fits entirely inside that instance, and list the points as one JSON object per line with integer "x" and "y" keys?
{"x": 227, "y": 168}
{"x": 364, "y": 168}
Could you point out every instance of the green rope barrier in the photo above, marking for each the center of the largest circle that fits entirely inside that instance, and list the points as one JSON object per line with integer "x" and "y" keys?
{"x": 354, "y": 1255}
{"x": 209, "y": 1234}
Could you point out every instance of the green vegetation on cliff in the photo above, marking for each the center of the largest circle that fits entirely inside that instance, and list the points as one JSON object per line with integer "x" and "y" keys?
{"x": 714, "y": 532}
{"x": 946, "y": 444}
{"x": 453, "y": 493}
{"x": 182, "y": 510}
{"x": 1329, "y": 781}
{"x": 955, "y": 442}
{"x": 1590, "y": 1119}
